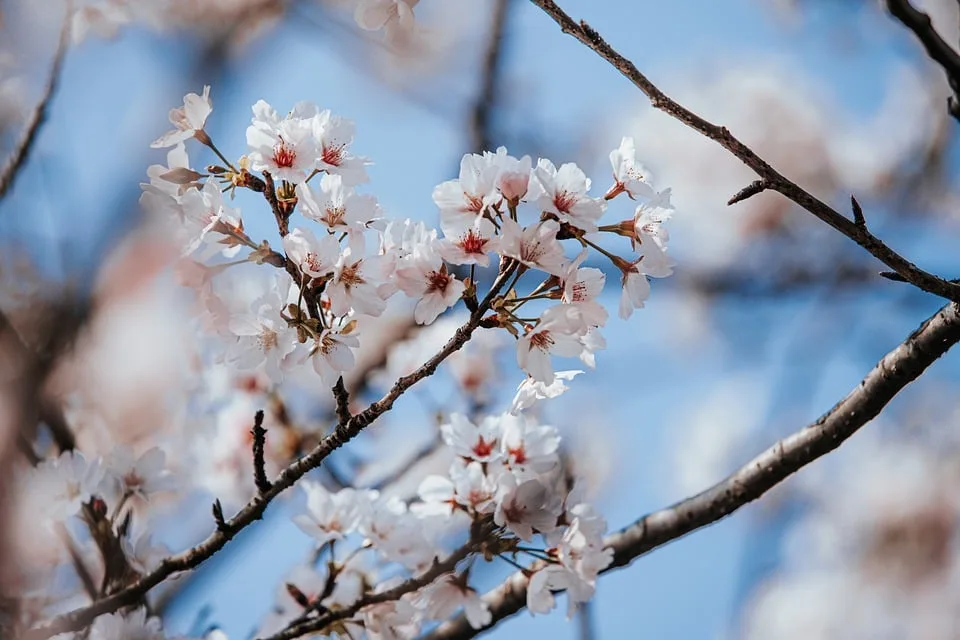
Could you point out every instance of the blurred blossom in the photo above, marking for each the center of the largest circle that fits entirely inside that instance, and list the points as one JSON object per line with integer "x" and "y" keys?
{"x": 875, "y": 553}
{"x": 710, "y": 436}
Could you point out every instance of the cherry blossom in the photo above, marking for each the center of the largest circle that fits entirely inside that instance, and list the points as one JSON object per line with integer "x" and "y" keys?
{"x": 334, "y": 135}
{"x": 141, "y": 552}
{"x": 286, "y": 147}
{"x": 532, "y": 390}
{"x": 335, "y": 205}
{"x": 315, "y": 258}
{"x": 359, "y": 282}
{"x": 630, "y": 177}
{"x": 513, "y": 175}
{"x": 475, "y": 442}
{"x": 529, "y": 449}
{"x": 469, "y": 195}
{"x": 330, "y": 516}
{"x": 332, "y": 355}
{"x": 61, "y": 485}
{"x": 208, "y": 221}
{"x": 468, "y": 241}
{"x": 636, "y": 286}
{"x": 564, "y": 193}
{"x": 263, "y": 337}
{"x": 131, "y": 626}
{"x": 535, "y": 246}
{"x": 137, "y": 477}
{"x": 526, "y": 507}
{"x": 581, "y": 286}
{"x": 449, "y": 593}
{"x": 104, "y": 19}
{"x": 556, "y": 333}
{"x": 425, "y": 276}
{"x": 395, "y": 17}
{"x": 188, "y": 121}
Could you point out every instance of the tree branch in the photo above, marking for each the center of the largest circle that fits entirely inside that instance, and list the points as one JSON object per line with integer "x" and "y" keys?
{"x": 259, "y": 444}
{"x": 936, "y": 47}
{"x": 254, "y": 510}
{"x": 774, "y": 179}
{"x": 21, "y": 151}
{"x": 480, "y": 129}
{"x": 895, "y": 371}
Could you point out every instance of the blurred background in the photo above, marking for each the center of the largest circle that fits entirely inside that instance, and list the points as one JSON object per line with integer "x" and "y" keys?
{"x": 770, "y": 318}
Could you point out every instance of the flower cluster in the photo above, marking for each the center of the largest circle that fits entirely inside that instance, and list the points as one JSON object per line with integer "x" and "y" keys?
{"x": 506, "y": 485}
{"x": 512, "y": 246}
{"x": 110, "y": 498}
{"x": 331, "y": 279}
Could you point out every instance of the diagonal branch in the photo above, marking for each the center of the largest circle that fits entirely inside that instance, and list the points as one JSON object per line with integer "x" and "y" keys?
{"x": 773, "y": 178}
{"x": 254, "y": 510}
{"x": 936, "y": 47}
{"x": 23, "y": 147}
{"x": 895, "y": 371}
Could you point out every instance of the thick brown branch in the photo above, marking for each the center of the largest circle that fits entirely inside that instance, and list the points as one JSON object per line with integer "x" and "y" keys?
{"x": 21, "y": 151}
{"x": 897, "y": 369}
{"x": 775, "y": 180}
{"x": 936, "y": 47}
{"x": 254, "y": 510}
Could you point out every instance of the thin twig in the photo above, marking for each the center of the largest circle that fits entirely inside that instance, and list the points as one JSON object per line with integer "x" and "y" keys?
{"x": 936, "y": 47}
{"x": 259, "y": 445}
{"x": 38, "y": 116}
{"x": 895, "y": 371}
{"x": 777, "y": 182}
{"x": 255, "y": 508}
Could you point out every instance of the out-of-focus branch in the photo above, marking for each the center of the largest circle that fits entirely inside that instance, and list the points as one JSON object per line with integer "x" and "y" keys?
{"x": 39, "y": 114}
{"x": 936, "y": 47}
{"x": 774, "y": 180}
{"x": 227, "y": 529}
{"x": 895, "y": 371}
{"x": 490, "y": 71}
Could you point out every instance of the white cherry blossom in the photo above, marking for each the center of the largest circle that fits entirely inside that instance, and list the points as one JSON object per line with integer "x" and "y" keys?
{"x": 468, "y": 241}
{"x": 513, "y": 175}
{"x": 469, "y": 195}
{"x": 475, "y": 442}
{"x": 286, "y": 147}
{"x": 564, "y": 193}
{"x": 187, "y": 120}
{"x": 334, "y": 135}
{"x": 335, "y": 205}
{"x": 557, "y": 333}
{"x": 629, "y": 175}
{"x": 360, "y": 283}
{"x": 532, "y": 391}
{"x": 526, "y": 507}
{"x": 332, "y": 355}
{"x": 315, "y": 258}
{"x": 536, "y": 246}
{"x": 447, "y": 594}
